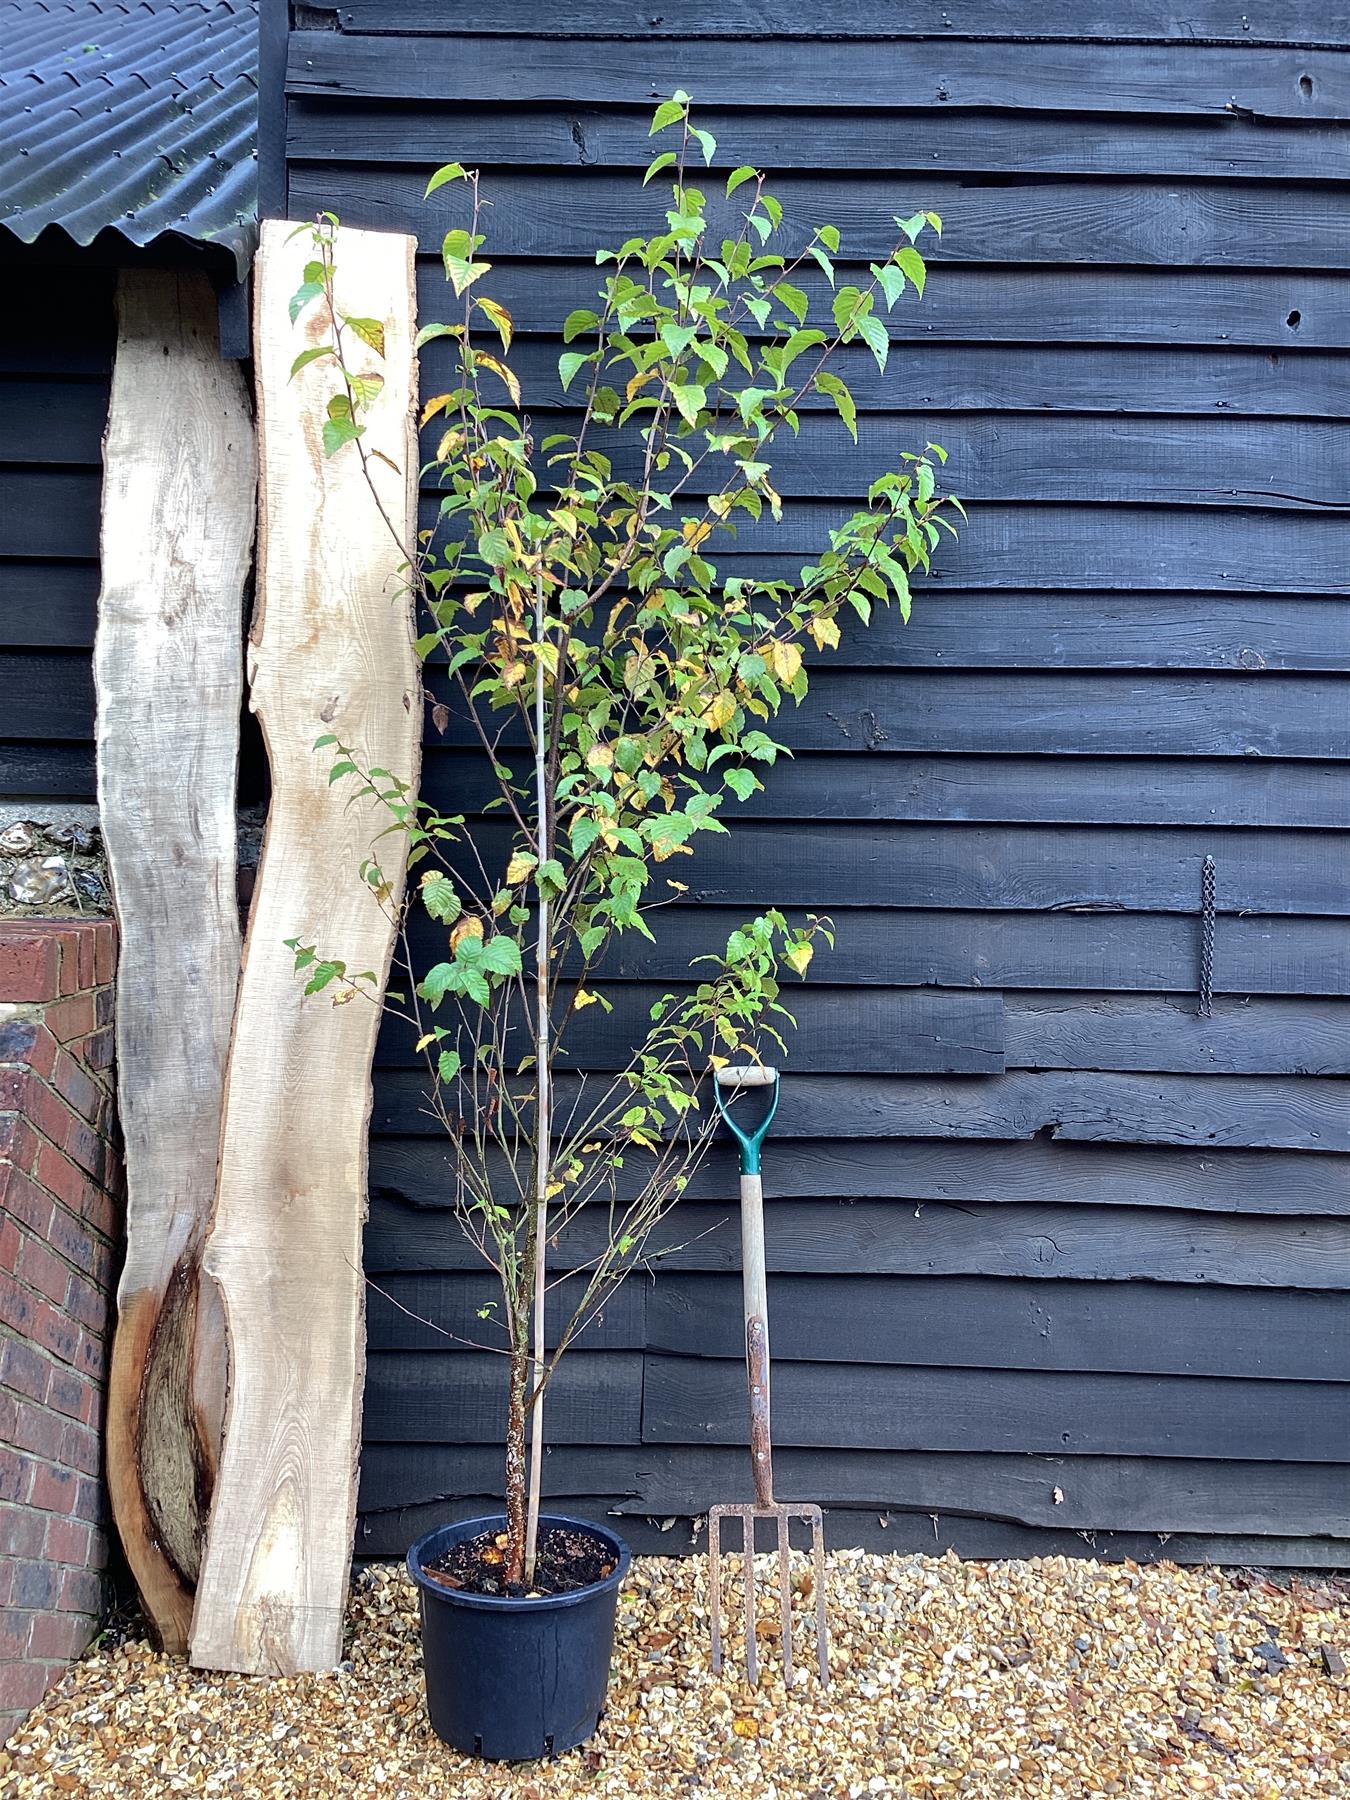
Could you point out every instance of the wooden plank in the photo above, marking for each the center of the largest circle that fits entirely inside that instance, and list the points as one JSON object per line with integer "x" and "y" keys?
{"x": 990, "y": 867}
{"x": 49, "y": 512}
{"x": 1101, "y": 950}
{"x": 1244, "y": 550}
{"x": 178, "y": 498}
{"x": 48, "y": 772}
{"x": 576, "y": 213}
{"x": 1069, "y": 77}
{"x": 53, "y": 421}
{"x": 1222, "y": 384}
{"x": 387, "y": 1536}
{"x": 1002, "y": 457}
{"x": 449, "y": 1313}
{"x": 53, "y": 604}
{"x": 1045, "y": 1242}
{"x": 988, "y": 712}
{"x": 73, "y": 332}
{"x": 1280, "y": 1113}
{"x": 1208, "y": 21}
{"x": 1027, "y": 790}
{"x": 1223, "y": 146}
{"x": 420, "y": 1173}
{"x": 926, "y": 1030}
{"x": 1066, "y": 1493}
{"x": 687, "y": 1400}
{"x": 1273, "y": 309}
{"x": 973, "y": 1322}
{"x": 1249, "y": 1037}
{"x": 460, "y": 1398}
{"x": 330, "y": 652}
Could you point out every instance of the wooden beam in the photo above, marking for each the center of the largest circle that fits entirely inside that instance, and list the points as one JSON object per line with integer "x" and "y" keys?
{"x": 331, "y": 652}
{"x": 178, "y": 492}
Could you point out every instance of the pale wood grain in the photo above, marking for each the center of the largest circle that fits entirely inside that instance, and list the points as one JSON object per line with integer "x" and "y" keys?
{"x": 332, "y": 652}
{"x": 178, "y": 516}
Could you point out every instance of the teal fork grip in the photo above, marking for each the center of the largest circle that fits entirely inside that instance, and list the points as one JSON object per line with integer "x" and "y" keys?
{"x": 749, "y": 1141}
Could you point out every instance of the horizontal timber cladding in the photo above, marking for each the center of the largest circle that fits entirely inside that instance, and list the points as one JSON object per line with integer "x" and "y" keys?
{"x": 406, "y": 1170}
{"x": 1055, "y": 77}
{"x": 1202, "y": 224}
{"x": 1058, "y": 1263}
{"x": 911, "y": 143}
{"x": 1279, "y": 1113}
{"x": 1085, "y": 790}
{"x": 1008, "y": 305}
{"x": 1066, "y": 1493}
{"x": 1044, "y": 1241}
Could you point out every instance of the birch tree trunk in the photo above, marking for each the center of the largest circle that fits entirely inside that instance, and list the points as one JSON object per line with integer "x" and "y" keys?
{"x": 178, "y": 515}
{"x": 332, "y": 652}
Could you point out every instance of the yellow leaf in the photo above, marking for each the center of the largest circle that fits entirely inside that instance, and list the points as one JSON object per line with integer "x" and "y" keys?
{"x": 513, "y": 674}
{"x": 499, "y": 368}
{"x": 520, "y": 866}
{"x": 344, "y": 997}
{"x": 663, "y": 849}
{"x": 565, "y": 521}
{"x": 468, "y": 927}
{"x": 798, "y": 957}
{"x": 600, "y": 756}
{"x": 500, "y": 318}
{"x": 720, "y": 710}
{"x": 427, "y": 1037}
{"x": 680, "y": 887}
{"x": 433, "y": 406}
{"x": 584, "y": 999}
{"x": 825, "y": 632}
{"x": 785, "y": 660}
{"x": 695, "y": 530}
{"x": 451, "y": 442}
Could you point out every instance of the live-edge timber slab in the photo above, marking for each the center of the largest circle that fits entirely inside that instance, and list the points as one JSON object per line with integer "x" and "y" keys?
{"x": 332, "y": 652}
{"x": 178, "y": 514}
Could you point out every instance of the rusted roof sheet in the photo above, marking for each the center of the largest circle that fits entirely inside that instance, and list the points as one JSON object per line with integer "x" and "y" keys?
{"x": 139, "y": 116}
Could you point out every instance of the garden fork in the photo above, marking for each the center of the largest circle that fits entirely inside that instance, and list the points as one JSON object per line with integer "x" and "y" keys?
{"x": 764, "y": 1506}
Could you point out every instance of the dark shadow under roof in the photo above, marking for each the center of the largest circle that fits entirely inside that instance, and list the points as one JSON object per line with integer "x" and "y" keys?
{"x": 139, "y": 116}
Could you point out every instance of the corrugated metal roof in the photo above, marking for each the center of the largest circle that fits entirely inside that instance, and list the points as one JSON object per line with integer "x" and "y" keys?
{"x": 135, "y": 115}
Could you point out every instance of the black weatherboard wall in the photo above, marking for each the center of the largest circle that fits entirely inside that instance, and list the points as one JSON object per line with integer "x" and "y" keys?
{"x": 1055, "y": 1258}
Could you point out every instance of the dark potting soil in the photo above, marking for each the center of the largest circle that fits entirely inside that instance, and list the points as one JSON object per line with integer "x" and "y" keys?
{"x": 568, "y": 1559}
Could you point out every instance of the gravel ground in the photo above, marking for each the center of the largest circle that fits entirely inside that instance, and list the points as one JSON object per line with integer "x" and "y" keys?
{"x": 1057, "y": 1678}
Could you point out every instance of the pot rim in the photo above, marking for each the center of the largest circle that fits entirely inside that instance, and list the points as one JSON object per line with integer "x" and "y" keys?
{"x": 514, "y": 1603}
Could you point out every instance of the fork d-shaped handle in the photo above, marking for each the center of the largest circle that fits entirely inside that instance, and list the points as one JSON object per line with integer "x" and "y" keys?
{"x": 749, "y": 1141}
{"x": 761, "y": 1442}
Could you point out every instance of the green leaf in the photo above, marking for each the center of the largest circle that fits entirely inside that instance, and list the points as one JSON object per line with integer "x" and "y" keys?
{"x": 792, "y": 298}
{"x": 829, "y": 236}
{"x": 447, "y": 172}
{"x": 501, "y": 955}
{"x": 500, "y": 318}
{"x": 568, "y": 364}
{"x": 844, "y": 405}
{"x": 300, "y": 299}
{"x": 583, "y": 319}
{"x": 913, "y": 265}
{"x": 677, "y": 338}
{"x": 890, "y": 281}
{"x": 428, "y": 332}
{"x": 440, "y": 899}
{"x": 337, "y": 432}
{"x": 739, "y": 176}
{"x": 667, "y": 113}
{"x": 448, "y": 1064}
{"x": 690, "y": 399}
{"x": 874, "y": 336}
{"x": 741, "y": 782}
{"x": 706, "y": 142}
{"x": 655, "y": 166}
{"x": 308, "y": 356}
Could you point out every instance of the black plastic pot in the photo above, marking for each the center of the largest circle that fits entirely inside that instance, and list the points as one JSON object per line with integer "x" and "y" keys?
{"x": 513, "y": 1680}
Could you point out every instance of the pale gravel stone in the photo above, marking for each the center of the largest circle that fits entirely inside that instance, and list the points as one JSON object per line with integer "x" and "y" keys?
{"x": 1049, "y": 1678}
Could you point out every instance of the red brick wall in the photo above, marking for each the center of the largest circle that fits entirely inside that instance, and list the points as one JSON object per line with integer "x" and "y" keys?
{"x": 60, "y": 1222}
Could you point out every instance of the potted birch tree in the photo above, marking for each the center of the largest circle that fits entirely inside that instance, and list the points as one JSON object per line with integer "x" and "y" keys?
{"x": 621, "y": 690}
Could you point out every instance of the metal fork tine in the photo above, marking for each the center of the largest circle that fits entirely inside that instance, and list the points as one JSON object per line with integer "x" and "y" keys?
{"x": 785, "y": 1594}
{"x": 715, "y": 1584}
{"x": 818, "y": 1558}
{"x": 751, "y": 1659}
